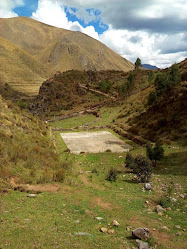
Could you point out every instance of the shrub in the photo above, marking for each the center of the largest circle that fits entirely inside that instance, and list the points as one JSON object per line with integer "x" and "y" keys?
{"x": 22, "y": 104}
{"x": 138, "y": 63}
{"x": 155, "y": 153}
{"x": 151, "y": 98}
{"x": 129, "y": 161}
{"x": 143, "y": 168}
{"x": 165, "y": 202}
{"x": 112, "y": 175}
{"x": 59, "y": 175}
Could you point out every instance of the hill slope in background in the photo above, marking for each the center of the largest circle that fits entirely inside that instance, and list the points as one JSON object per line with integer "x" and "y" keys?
{"x": 52, "y": 48}
{"x": 19, "y": 69}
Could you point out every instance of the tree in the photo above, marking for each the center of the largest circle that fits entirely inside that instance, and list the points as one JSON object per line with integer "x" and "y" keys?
{"x": 155, "y": 153}
{"x": 112, "y": 175}
{"x": 138, "y": 63}
{"x": 161, "y": 83}
{"x": 129, "y": 162}
{"x": 151, "y": 77}
{"x": 143, "y": 168}
{"x": 174, "y": 75}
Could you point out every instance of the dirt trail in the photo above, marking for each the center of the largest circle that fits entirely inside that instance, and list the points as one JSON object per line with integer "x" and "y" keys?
{"x": 34, "y": 188}
{"x": 96, "y": 91}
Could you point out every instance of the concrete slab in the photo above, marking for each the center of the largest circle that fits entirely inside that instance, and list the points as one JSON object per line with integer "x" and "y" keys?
{"x": 94, "y": 142}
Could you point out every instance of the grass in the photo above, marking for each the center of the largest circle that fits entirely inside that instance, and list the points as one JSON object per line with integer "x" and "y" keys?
{"x": 27, "y": 152}
{"x": 52, "y": 219}
{"x": 73, "y": 122}
{"x": 83, "y": 197}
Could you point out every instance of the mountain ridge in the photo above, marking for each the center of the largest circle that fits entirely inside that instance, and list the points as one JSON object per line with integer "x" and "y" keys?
{"x": 55, "y": 49}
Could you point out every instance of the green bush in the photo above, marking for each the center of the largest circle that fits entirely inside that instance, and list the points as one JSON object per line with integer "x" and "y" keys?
{"x": 165, "y": 202}
{"x": 155, "y": 153}
{"x": 129, "y": 161}
{"x": 143, "y": 168}
{"x": 112, "y": 175}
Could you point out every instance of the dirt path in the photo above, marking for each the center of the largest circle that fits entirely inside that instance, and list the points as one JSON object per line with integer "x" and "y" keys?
{"x": 96, "y": 91}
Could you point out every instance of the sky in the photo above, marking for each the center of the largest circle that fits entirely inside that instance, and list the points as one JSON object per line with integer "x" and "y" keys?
{"x": 153, "y": 30}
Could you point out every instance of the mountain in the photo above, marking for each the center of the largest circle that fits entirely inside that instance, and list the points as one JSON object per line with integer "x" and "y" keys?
{"x": 35, "y": 50}
{"x": 19, "y": 69}
{"x": 149, "y": 67}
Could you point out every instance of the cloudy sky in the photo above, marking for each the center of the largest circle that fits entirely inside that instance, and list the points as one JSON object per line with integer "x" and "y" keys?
{"x": 153, "y": 30}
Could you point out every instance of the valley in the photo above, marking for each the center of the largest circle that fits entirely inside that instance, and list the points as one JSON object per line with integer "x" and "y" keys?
{"x": 72, "y": 113}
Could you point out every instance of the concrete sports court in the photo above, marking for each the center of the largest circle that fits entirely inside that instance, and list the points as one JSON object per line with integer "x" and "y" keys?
{"x": 94, "y": 142}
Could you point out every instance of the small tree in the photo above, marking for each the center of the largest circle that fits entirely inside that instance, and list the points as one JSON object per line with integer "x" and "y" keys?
{"x": 138, "y": 63}
{"x": 174, "y": 75}
{"x": 161, "y": 83}
{"x": 129, "y": 161}
{"x": 151, "y": 77}
{"x": 112, "y": 175}
{"x": 143, "y": 168}
{"x": 155, "y": 153}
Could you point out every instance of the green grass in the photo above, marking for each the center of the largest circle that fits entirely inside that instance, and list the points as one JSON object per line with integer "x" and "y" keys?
{"x": 73, "y": 122}
{"x": 50, "y": 219}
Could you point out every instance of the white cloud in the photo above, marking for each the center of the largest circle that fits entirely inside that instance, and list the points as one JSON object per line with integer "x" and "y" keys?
{"x": 7, "y": 6}
{"x": 155, "y": 49}
{"x": 53, "y": 13}
{"x": 153, "y": 30}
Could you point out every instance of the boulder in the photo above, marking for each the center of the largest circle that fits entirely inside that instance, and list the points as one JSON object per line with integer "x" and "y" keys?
{"x": 142, "y": 245}
{"x": 159, "y": 209}
{"x": 115, "y": 223}
{"x": 148, "y": 186}
{"x": 103, "y": 229}
{"x": 83, "y": 234}
{"x": 31, "y": 195}
{"x": 142, "y": 233}
{"x": 99, "y": 218}
{"x": 111, "y": 231}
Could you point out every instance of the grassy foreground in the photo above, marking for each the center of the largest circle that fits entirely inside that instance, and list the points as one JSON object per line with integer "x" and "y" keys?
{"x": 55, "y": 219}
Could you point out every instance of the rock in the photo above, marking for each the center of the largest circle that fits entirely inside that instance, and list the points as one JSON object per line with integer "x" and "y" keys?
{"x": 111, "y": 231}
{"x": 182, "y": 196}
{"x": 99, "y": 218}
{"x": 142, "y": 233}
{"x": 160, "y": 214}
{"x": 115, "y": 223}
{"x": 178, "y": 227}
{"x": 120, "y": 157}
{"x": 173, "y": 199}
{"x": 77, "y": 221}
{"x": 148, "y": 186}
{"x": 146, "y": 202}
{"x": 104, "y": 230}
{"x": 83, "y": 234}
{"x": 31, "y": 195}
{"x": 128, "y": 229}
{"x": 178, "y": 234}
{"x": 142, "y": 245}
{"x": 159, "y": 209}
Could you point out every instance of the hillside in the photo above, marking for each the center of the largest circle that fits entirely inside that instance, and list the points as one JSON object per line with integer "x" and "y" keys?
{"x": 27, "y": 153}
{"x": 27, "y": 45}
{"x": 74, "y": 91}
{"x": 19, "y": 69}
{"x": 165, "y": 120}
